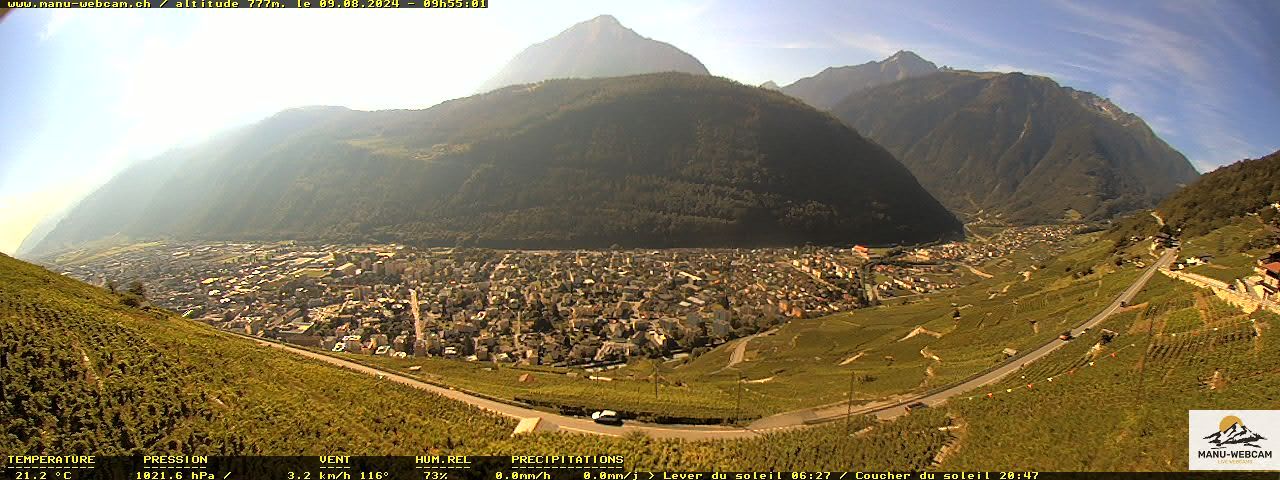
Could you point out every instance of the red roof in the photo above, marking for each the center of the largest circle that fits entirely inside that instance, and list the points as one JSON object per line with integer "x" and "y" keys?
{"x": 1273, "y": 267}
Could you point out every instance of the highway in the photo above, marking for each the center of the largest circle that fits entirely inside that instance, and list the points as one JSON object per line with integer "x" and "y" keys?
{"x": 793, "y": 419}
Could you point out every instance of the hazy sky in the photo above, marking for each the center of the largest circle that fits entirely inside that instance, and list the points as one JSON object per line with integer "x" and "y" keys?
{"x": 85, "y": 92}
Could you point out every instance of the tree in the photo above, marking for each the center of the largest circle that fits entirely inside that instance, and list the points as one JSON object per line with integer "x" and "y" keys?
{"x": 137, "y": 288}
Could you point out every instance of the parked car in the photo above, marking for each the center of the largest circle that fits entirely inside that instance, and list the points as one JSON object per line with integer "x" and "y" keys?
{"x": 916, "y": 406}
{"x": 607, "y": 417}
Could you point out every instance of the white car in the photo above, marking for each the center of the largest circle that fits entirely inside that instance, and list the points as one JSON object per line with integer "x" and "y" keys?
{"x": 607, "y": 417}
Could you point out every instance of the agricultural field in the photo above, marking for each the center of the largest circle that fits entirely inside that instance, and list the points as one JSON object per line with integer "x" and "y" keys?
{"x": 1123, "y": 405}
{"x": 573, "y": 392}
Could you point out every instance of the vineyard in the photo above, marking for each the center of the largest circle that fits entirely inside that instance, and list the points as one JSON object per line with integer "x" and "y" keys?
{"x": 908, "y": 443}
{"x": 83, "y": 374}
{"x": 809, "y": 362}
{"x": 1122, "y": 405}
{"x": 1233, "y": 247}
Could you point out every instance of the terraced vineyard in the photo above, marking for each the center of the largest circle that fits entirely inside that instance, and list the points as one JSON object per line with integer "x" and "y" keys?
{"x": 1123, "y": 405}
{"x": 83, "y": 374}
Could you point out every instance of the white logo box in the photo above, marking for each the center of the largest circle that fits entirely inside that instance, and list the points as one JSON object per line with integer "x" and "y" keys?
{"x": 1233, "y": 439}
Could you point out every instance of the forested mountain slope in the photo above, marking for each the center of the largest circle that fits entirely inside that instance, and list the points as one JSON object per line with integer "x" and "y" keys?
{"x": 1019, "y": 146}
{"x": 658, "y": 160}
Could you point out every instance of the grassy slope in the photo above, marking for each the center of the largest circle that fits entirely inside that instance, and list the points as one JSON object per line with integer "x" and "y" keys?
{"x": 1126, "y": 412}
{"x": 806, "y": 359}
{"x": 550, "y": 386}
{"x": 1232, "y": 247}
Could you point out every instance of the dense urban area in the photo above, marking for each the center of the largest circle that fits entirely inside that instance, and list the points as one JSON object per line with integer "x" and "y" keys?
{"x": 580, "y": 308}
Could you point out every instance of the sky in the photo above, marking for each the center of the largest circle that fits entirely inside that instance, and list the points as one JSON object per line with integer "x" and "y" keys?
{"x": 87, "y": 92}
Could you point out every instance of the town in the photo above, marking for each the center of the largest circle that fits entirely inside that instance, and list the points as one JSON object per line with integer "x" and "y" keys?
{"x": 584, "y": 308}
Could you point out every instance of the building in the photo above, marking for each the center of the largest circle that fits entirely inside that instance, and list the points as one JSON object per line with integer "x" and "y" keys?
{"x": 1269, "y": 269}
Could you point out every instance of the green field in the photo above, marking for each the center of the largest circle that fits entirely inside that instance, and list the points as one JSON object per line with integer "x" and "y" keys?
{"x": 1128, "y": 411}
{"x": 809, "y": 362}
{"x": 572, "y": 391}
{"x": 1235, "y": 248}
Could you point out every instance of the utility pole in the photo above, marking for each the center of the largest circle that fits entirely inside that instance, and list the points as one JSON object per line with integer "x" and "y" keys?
{"x": 848, "y": 415}
{"x": 655, "y": 379}
{"x": 737, "y": 411}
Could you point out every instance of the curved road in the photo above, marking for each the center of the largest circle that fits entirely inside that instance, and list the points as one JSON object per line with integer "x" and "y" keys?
{"x": 798, "y": 418}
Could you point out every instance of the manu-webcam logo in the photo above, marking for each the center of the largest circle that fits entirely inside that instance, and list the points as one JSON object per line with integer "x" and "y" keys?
{"x": 1233, "y": 439}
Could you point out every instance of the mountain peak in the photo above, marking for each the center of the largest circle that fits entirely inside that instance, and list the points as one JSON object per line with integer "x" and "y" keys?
{"x": 833, "y": 84}
{"x": 605, "y": 19}
{"x": 599, "y": 47}
{"x": 906, "y": 55}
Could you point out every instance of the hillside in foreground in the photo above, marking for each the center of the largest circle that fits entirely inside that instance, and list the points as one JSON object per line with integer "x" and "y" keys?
{"x": 1019, "y": 146}
{"x": 85, "y": 374}
{"x": 661, "y": 160}
{"x": 1122, "y": 406}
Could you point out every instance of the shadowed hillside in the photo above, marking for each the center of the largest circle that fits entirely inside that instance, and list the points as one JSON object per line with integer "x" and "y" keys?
{"x": 655, "y": 160}
{"x": 1018, "y": 145}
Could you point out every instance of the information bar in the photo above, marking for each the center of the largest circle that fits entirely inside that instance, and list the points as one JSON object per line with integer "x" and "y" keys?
{"x": 457, "y": 467}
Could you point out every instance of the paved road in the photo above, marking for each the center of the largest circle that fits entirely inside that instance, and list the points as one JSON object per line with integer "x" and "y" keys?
{"x": 739, "y": 353}
{"x": 787, "y": 420}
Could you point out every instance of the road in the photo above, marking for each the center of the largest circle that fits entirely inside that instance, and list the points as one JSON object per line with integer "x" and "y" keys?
{"x": 739, "y": 353}
{"x": 550, "y": 421}
{"x": 798, "y": 418}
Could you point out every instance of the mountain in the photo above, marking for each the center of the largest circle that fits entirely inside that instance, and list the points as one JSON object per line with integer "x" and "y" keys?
{"x": 1236, "y": 434}
{"x": 600, "y": 47}
{"x": 1019, "y": 146}
{"x": 656, "y": 160}
{"x": 770, "y": 85}
{"x": 828, "y": 87}
{"x": 82, "y": 373}
{"x": 39, "y": 231}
